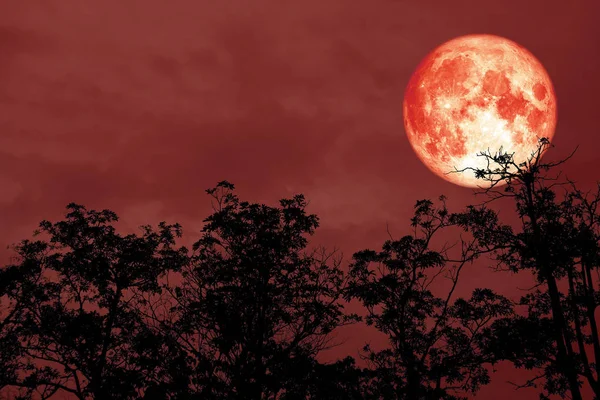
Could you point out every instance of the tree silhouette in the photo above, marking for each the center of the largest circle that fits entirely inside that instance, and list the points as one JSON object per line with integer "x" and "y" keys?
{"x": 254, "y": 307}
{"x": 339, "y": 380}
{"x": 15, "y": 286}
{"x": 92, "y": 314}
{"x": 558, "y": 241}
{"x": 70, "y": 305}
{"x": 434, "y": 342}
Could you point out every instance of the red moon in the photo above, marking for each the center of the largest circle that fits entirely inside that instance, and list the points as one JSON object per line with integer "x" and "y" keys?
{"x": 477, "y": 93}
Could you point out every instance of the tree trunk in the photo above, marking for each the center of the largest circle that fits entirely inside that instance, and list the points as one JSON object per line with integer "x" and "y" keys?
{"x": 413, "y": 378}
{"x": 591, "y": 309}
{"x": 563, "y": 357}
{"x": 565, "y": 363}
{"x": 578, "y": 331}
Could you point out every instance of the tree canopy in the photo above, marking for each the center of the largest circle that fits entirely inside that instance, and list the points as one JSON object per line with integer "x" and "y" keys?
{"x": 557, "y": 240}
{"x": 247, "y": 312}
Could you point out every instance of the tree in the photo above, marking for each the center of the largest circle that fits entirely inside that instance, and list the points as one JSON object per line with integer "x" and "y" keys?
{"x": 558, "y": 241}
{"x": 255, "y": 307}
{"x": 87, "y": 312}
{"x": 434, "y": 342}
{"x": 15, "y": 286}
{"x": 71, "y": 304}
{"x": 340, "y": 380}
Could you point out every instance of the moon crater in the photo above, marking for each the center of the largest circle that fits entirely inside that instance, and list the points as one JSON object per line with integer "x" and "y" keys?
{"x": 475, "y": 93}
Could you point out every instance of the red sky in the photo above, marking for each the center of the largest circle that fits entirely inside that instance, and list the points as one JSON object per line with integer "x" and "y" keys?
{"x": 141, "y": 106}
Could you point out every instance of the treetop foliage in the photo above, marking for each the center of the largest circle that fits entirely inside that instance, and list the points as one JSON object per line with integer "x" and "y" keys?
{"x": 247, "y": 312}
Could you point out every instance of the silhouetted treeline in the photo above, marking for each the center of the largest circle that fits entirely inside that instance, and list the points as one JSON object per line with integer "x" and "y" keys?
{"x": 89, "y": 313}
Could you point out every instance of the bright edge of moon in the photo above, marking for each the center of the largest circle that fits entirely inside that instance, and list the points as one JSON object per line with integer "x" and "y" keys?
{"x": 477, "y": 93}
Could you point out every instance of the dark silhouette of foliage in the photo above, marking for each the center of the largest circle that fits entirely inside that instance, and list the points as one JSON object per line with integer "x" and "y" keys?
{"x": 78, "y": 332}
{"x": 255, "y": 308}
{"x": 435, "y": 347}
{"x": 15, "y": 286}
{"x": 558, "y": 241}
{"x": 93, "y": 314}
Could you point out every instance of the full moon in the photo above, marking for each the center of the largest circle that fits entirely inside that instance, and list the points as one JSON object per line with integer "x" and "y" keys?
{"x": 477, "y": 93}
